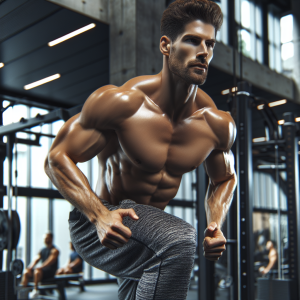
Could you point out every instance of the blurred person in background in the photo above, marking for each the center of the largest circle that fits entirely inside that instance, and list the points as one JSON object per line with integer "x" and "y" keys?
{"x": 75, "y": 263}
{"x": 49, "y": 258}
{"x": 273, "y": 258}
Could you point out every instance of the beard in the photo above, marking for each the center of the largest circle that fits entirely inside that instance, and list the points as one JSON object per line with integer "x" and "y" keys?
{"x": 188, "y": 73}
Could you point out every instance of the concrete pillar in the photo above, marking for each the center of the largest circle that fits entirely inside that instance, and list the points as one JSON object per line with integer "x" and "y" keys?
{"x": 296, "y": 32}
{"x": 134, "y": 33}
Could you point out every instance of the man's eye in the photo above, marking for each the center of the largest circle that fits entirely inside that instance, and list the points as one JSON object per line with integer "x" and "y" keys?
{"x": 210, "y": 45}
{"x": 193, "y": 41}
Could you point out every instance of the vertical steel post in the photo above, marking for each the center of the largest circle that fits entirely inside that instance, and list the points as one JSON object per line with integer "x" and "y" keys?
{"x": 244, "y": 193}
{"x": 292, "y": 170}
{"x": 2, "y": 157}
{"x": 9, "y": 153}
{"x": 206, "y": 268}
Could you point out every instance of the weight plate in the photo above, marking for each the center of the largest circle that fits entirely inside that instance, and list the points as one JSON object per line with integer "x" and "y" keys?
{"x": 16, "y": 267}
{"x": 3, "y": 230}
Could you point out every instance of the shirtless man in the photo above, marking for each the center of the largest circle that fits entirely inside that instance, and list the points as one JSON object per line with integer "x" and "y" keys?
{"x": 146, "y": 135}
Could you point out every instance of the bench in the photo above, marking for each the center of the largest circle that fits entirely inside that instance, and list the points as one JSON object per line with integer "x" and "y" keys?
{"x": 59, "y": 283}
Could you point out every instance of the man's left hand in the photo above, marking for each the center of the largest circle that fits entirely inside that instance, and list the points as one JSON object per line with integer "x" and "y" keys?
{"x": 214, "y": 242}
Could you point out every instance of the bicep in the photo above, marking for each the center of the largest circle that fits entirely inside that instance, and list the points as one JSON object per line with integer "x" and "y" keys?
{"x": 219, "y": 166}
{"x": 78, "y": 143}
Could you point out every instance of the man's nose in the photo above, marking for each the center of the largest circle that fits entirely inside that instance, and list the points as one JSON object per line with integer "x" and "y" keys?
{"x": 202, "y": 52}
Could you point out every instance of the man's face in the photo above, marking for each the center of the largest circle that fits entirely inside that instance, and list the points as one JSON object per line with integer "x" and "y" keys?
{"x": 47, "y": 239}
{"x": 192, "y": 52}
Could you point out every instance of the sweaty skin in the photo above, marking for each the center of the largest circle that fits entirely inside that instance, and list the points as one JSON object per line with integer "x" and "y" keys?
{"x": 146, "y": 135}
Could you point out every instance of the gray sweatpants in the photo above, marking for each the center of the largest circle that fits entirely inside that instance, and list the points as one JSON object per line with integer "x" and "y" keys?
{"x": 157, "y": 261}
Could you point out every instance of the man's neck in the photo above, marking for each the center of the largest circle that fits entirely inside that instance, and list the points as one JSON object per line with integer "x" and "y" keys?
{"x": 174, "y": 95}
{"x": 49, "y": 246}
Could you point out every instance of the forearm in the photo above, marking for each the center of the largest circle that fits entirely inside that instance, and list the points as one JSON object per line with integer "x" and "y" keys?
{"x": 218, "y": 199}
{"x": 75, "y": 263}
{"x": 73, "y": 185}
{"x": 33, "y": 264}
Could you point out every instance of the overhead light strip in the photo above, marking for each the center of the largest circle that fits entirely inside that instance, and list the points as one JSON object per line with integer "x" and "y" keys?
{"x": 71, "y": 34}
{"x": 272, "y": 104}
{"x": 227, "y": 91}
{"x": 259, "y": 139}
{"x": 1, "y": 65}
{"x": 281, "y": 122}
{"x": 42, "y": 81}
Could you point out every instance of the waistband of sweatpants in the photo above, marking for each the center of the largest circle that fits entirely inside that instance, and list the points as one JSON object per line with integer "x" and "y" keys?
{"x": 75, "y": 214}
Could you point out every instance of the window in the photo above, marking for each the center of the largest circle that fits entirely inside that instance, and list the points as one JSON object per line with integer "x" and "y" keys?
{"x": 274, "y": 39}
{"x": 287, "y": 45}
{"x": 249, "y": 16}
{"x": 222, "y": 35}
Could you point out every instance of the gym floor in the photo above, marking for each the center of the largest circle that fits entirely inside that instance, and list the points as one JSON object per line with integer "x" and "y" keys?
{"x": 105, "y": 292}
{"x": 110, "y": 292}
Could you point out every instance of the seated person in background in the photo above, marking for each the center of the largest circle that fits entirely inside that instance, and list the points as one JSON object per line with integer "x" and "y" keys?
{"x": 273, "y": 259}
{"x": 49, "y": 258}
{"x": 75, "y": 264}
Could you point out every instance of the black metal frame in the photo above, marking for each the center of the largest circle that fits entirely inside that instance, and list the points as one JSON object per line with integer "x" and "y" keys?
{"x": 292, "y": 166}
{"x": 244, "y": 192}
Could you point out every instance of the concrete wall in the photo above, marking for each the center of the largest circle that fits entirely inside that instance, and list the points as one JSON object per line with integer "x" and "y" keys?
{"x": 96, "y": 9}
{"x": 259, "y": 75}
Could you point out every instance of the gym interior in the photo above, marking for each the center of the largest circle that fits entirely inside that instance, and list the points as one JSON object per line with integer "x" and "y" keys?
{"x": 254, "y": 75}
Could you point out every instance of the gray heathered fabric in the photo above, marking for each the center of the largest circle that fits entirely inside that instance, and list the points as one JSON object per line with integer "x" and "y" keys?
{"x": 157, "y": 261}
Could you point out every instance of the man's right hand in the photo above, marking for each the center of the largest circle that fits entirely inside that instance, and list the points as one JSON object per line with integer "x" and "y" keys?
{"x": 111, "y": 231}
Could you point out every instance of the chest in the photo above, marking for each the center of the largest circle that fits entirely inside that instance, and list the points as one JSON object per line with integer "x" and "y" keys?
{"x": 152, "y": 143}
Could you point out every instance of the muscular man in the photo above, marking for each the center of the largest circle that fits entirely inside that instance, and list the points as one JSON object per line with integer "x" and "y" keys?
{"x": 49, "y": 258}
{"x": 146, "y": 135}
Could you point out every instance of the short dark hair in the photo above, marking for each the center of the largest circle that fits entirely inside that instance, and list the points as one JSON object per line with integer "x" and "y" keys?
{"x": 181, "y": 12}
{"x": 50, "y": 234}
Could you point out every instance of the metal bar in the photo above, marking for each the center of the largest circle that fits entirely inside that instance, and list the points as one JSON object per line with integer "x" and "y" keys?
{"x": 59, "y": 114}
{"x": 268, "y": 143}
{"x": 244, "y": 193}
{"x": 289, "y": 131}
{"x": 278, "y": 212}
{"x": 27, "y": 102}
{"x": 9, "y": 153}
{"x": 269, "y": 210}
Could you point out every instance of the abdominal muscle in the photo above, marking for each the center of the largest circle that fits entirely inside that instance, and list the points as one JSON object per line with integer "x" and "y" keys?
{"x": 120, "y": 179}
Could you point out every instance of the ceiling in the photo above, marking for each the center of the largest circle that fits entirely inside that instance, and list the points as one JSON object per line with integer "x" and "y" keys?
{"x": 83, "y": 61}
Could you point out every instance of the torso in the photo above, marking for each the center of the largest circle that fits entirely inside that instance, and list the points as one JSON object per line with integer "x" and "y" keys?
{"x": 148, "y": 154}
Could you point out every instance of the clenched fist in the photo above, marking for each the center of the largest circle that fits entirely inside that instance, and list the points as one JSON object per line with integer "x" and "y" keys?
{"x": 214, "y": 242}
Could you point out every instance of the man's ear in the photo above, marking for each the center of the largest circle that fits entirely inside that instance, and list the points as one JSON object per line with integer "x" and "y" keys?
{"x": 165, "y": 45}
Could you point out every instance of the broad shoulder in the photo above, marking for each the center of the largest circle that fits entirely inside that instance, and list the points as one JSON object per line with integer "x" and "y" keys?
{"x": 223, "y": 127}
{"x": 220, "y": 122}
{"x": 109, "y": 106}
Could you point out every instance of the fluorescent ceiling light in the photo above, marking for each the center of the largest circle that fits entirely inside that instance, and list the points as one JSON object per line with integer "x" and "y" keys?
{"x": 259, "y": 139}
{"x": 1, "y": 65}
{"x": 271, "y": 104}
{"x": 40, "y": 82}
{"x": 71, "y": 34}
{"x": 280, "y": 122}
{"x": 276, "y": 103}
{"x": 225, "y": 92}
